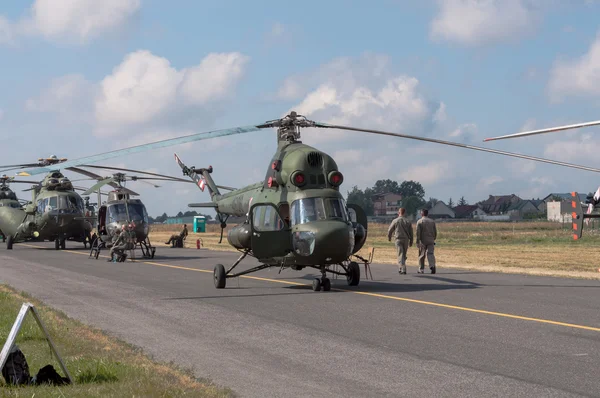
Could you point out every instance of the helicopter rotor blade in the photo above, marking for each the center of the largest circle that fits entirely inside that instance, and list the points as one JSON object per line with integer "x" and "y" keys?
{"x": 456, "y": 144}
{"x": 133, "y": 171}
{"x": 544, "y": 131}
{"x": 144, "y": 147}
{"x": 98, "y": 185}
{"x": 85, "y": 189}
{"x": 99, "y": 178}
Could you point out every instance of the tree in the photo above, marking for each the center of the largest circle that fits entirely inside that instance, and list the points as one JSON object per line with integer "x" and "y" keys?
{"x": 450, "y": 203}
{"x": 361, "y": 198}
{"x": 412, "y": 204}
{"x": 180, "y": 214}
{"x": 161, "y": 219}
{"x": 412, "y": 188}
{"x": 385, "y": 186}
{"x": 462, "y": 201}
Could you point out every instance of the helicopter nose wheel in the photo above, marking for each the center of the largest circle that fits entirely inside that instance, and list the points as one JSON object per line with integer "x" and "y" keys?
{"x": 323, "y": 283}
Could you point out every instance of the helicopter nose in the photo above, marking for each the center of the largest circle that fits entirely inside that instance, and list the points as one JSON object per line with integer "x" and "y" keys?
{"x": 331, "y": 241}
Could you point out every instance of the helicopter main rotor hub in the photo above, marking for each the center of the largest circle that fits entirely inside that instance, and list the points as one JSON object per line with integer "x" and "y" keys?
{"x": 288, "y": 128}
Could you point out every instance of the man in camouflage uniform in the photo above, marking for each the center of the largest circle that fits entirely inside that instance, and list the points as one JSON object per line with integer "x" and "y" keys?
{"x": 426, "y": 236}
{"x": 181, "y": 237}
{"x": 402, "y": 231}
{"x": 120, "y": 243}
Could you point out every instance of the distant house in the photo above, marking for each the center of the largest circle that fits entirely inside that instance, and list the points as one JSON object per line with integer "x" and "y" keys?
{"x": 498, "y": 204}
{"x": 555, "y": 197}
{"x": 469, "y": 211}
{"x": 521, "y": 209}
{"x": 440, "y": 210}
{"x": 386, "y": 204}
{"x": 540, "y": 204}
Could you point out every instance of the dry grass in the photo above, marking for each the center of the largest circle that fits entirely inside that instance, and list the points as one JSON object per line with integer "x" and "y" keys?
{"x": 101, "y": 366}
{"x": 542, "y": 248}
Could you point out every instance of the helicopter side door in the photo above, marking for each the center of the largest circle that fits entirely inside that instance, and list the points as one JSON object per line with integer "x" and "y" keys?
{"x": 102, "y": 222}
{"x": 358, "y": 216}
{"x": 271, "y": 235}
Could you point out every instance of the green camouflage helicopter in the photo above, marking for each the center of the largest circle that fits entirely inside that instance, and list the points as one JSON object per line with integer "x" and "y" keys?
{"x": 296, "y": 217}
{"x": 55, "y": 213}
{"x": 121, "y": 209}
{"x": 9, "y": 203}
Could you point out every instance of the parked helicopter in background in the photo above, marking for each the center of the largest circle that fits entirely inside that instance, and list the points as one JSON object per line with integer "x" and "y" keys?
{"x": 8, "y": 199}
{"x": 121, "y": 209}
{"x": 296, "y": 217}
{"x": 55, "y": 213}
{"x": 593, "y": 199}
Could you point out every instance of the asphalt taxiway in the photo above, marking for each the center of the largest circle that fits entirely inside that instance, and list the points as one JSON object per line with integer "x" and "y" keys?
{"x": 455, "y": 333}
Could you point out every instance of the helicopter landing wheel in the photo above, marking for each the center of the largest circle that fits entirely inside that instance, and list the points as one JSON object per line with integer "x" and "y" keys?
{"x": 316, "y": 285}
{"x": 219, "y": 276}
{"x": 9, "y": 242}
{"x": 326, "y": 284}
{"x": 353, "y": 275}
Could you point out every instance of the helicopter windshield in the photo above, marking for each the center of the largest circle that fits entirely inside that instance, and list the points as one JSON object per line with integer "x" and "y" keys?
{"x": 317, "y": 209}
{"x": 118, "y": 212}
{"x": 62, "y": 203}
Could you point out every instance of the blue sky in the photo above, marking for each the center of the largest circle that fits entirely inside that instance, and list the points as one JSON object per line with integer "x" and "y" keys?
{"x": 82, "y": 77}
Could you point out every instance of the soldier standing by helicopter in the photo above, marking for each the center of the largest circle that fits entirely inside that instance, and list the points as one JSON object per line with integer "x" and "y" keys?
{"x": 402, "y": 231}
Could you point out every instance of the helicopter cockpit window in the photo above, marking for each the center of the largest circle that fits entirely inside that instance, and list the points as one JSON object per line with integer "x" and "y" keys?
{"x": 118, "y": 212}
{"x": 70, "y": 204}
{"x": 318, "y": 209}
{"x": 266, "y": 218}
{"x": 50, "y": 204}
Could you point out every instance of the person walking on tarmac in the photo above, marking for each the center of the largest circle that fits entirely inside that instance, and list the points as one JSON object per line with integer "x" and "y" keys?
{"x": 401, "y": 229}
{"x": 426, "y": 236}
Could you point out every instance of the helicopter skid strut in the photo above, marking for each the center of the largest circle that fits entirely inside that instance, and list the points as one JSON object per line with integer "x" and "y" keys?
{"x": 352, "y": 274}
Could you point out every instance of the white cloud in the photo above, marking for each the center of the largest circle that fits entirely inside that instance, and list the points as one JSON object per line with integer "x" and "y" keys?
{"x": 70, "y": 20}
{"x": 489, "y": 181}
{"x": 362, "y": 92}
{"x": 144, "y": 91}
{"x": 481, "y": 22}
{"x": 429, "y": 173}
{"x": 581, "y": 150}
{"x": 69, "y": 96}
{"x": 464, "y": 132}
{"x": 576, "y": 77}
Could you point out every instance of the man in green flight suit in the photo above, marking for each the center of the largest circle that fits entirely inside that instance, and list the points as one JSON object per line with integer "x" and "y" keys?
{"x": 401, "y": 229}
{"x": 426, "y": 236}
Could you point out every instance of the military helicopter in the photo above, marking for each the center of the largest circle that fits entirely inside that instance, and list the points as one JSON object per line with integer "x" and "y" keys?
{"x": 592, "y": 200}
{"x": 56, "y": 211}
{"x": 120, "y": 209}
{"x": 9, "y": 200}
{"x": 296, "y": 217}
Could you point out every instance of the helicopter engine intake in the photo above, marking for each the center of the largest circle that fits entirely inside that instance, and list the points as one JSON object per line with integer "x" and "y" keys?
{"x": 240, "y": 237}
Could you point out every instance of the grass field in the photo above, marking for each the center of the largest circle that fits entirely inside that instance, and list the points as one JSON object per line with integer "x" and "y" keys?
{"x": 99, "y": 365}
{"x": 542, "y": 248}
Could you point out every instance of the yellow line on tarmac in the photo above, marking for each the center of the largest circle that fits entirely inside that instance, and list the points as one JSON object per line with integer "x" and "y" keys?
{"x": 383, "y": 296}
